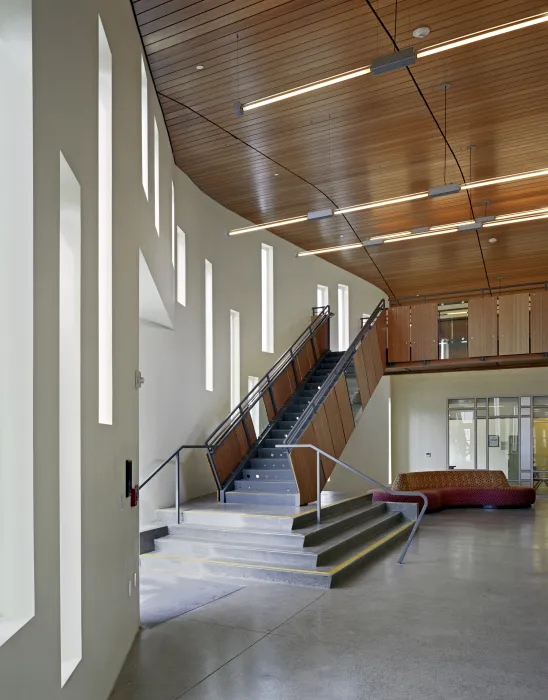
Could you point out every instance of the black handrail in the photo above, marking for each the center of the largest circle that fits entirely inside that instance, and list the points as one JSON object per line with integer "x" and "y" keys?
{"x": 244, "y": 407}
{"x": 304, "y": 420}
{"x": 268, "y": 379}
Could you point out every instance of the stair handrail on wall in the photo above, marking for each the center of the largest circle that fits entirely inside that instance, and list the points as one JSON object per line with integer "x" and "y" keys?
{"x": 304, "y": 421}
{"x": 233, "y": 440}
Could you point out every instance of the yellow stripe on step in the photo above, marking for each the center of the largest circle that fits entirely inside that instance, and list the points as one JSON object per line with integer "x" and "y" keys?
{"x": 330, "y": 572}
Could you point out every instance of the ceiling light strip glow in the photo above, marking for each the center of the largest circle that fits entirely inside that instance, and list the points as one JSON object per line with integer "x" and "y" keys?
{"x": 422, "y": 53}
{"x": 487, "y": 34}
{"x": 271, "y": 224}
{"x": 382, "y": 203}
{"x": 334, "y": 249}
{"x": 394, "y": 200}
{"x": 421, "y": 235}
{"x": 307, "y": 88}
{"x": 503, "y": 179}
{"x": 516, "y": 218}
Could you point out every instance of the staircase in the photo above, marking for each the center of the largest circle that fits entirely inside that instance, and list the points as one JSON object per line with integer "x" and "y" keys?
{"x": 267, "y": 478}
{"x": 292, "y": 548}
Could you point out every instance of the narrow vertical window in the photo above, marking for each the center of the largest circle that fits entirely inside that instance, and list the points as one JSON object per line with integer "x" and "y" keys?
{"x": 208, "y": 326}
{"x": 173, "y": 227}
{"x": 389, "y": 440}
{"x": 267, "y": 296}
{"x": 344, "y": 317}
{"x": 16, "y": 319}
{"x": 234, "y": 358}
{"x": 255, "y": 411}
{"x": 322, "y": 296}
{"x": 156, "y": 177}
{"x": 70, "y": 446}
{"x": 181, "y": 267}
{"x": 144, "y": 125}
{"x": 105, "y": 228}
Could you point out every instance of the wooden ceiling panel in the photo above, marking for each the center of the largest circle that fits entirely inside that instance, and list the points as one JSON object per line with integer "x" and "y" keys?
{"x": 371, "y": 138}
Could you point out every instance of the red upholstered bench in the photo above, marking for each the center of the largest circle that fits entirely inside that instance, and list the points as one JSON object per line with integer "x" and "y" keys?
{"x": 450, "y": 489}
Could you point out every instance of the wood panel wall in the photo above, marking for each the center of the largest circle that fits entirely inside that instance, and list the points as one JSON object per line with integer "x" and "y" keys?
{"x": 399, "y": 339}
{"x": 482, "y": 326}
{"x": 304, "y": 361}
{"x": 514, "y": 324}
{"x": 539, "y": 321}
{"x": 234, "y": 448}
{"x": 333, "y": 424}
{"x": 424, "y": 332}
{"x": 321, "y": 340}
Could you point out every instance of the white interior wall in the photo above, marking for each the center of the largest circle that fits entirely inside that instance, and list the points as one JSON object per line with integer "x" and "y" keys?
{"x": 65, "y": 87}
{"x": 419, "y": 409}
{"x": 367, "y": 450}
{"x": 174, "y": 407}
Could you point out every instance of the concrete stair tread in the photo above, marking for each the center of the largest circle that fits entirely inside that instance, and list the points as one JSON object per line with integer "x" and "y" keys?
{"x": 323, "y": 576}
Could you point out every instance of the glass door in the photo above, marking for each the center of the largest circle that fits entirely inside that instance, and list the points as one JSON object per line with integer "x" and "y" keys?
{"x": 503, "y": 436}
{"x": 540, "y": 444}
{"x": 462, "y": 434}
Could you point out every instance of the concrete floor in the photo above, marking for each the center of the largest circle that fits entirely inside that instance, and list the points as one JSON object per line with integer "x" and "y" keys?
{"x": 465, "y": 618}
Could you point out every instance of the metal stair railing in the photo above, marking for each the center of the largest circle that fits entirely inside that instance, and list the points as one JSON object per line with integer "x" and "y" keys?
{"x": 363, "y": 476}
{"x": 237, "y": 416}
{"x": 341, "y": 366}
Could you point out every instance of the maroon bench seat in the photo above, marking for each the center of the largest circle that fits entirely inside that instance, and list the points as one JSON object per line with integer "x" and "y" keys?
{"x": 450, "y": 489}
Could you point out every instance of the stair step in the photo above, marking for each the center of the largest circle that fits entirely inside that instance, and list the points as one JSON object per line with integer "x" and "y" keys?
{"x": 261, "y": 475}
{"x": 322, "y": 577}
{"x": 272, "y": 452}
{"x": 286, "y": 424}
{"x": 277, "y": 434}
{"x": 271, "y": 442}
{"x": 269, "y": 463}
{"x": 255, "y": 485}
{"x": 263, "y": 498}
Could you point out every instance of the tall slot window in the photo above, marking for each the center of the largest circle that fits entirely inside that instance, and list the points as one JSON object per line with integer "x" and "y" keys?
{"x": 267, "y": 297}
{"x": 322, "y": 296}
{"x": 255, "y": 411}
{"x": 144, "y": 125}
{"x": 208, "y": 326}
{"x": 181, "y": 267}
{"x": 344, "y": 317}
{"x": 173, "y": 227}
{"x": 70, "y": 446}
{"x": 234, "y": 358}
{"x": 105, "y": 228}
{"x": 16, "y": 318}
{"x": 156, "y": 177}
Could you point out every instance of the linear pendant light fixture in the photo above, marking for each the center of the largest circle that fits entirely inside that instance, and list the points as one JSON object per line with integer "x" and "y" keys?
{"x": 384, "y": 202}
{"x": 461, "y": 226}
{"x": 390, "y": 62}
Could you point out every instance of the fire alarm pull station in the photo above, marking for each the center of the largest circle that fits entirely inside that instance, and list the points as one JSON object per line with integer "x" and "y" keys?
{"x": 134, "y": 496}
{"x": 129, "y": 477}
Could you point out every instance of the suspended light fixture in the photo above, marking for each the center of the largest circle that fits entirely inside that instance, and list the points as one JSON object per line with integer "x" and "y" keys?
{"x": 459, "y": 226}
{"x": 393, "y": 61}
{"x": 386, "y": 202}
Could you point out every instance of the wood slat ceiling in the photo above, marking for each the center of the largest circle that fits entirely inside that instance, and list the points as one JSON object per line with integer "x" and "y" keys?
{"x": 365, "y": 139}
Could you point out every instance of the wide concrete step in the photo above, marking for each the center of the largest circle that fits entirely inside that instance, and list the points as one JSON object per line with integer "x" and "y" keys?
{"x": 322, "y": 576}
{"x": 272, "y": 486}
{"x": 307, "y": 557}
{"x": 268, "y": 474}
{"x": 277, "y": 515}
{"x": 248, "y": 534}
{"x": 251, "y": 498}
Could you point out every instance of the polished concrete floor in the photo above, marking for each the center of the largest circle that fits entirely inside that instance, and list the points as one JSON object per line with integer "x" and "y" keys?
{"x": 465, "y": 618}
